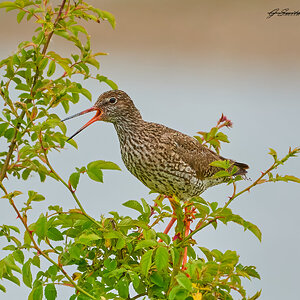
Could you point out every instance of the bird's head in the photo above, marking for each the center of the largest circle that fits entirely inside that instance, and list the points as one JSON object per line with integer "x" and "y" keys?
{"x": 111, "y": 106}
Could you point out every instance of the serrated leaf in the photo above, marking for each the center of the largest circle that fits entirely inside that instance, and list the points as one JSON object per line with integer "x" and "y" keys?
{"x": 222, "y": 137}
{"x": 40, "y": 227}
{"x": 34, "y": 196}
{"x": 86, "y": 93}
{"x": 2, "y": 288}
{"x": 273, "y": 153}
{"x": 37, "y": 292}
{"x": 95, "y": 174}
{"x": 221, "y": 174}
{"x": 3, "y": 128}
{"x": 18, "y": 256}
{"x": 145, "y": 244}
{"x": 184, "y": 281}
{"x": 54, "y": 234}
{"x": 36, "y": 261}
{"x": 8, "y": 4}
{"x": 254, "y": 229}
{"x": 134, "y": 205}
{"x": 74, "y": 179}
{"x": 207, "y": 253}
{"x": 224, "y": 164}
{"x": 292, "y": 178}
{"x": 50, "y": 292}
{"x": 123, "y": 288}
{"x": 51, "y": 69}
{"x": 87, "y": 239}
{"x": 164, "y": 237}
{"x": 146, "y": 262}
{"x": 26, "y": 274}
{"x": 104, "y": 165}
{"x": 161, "y": 258}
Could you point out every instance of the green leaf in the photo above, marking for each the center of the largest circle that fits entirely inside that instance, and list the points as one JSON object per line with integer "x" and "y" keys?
{"x": 2, "y": 288}
{"x": 54, "y": 234}
{"x": 145, "y": 263}
{"x": 178, "y": 293}
{"x": 18, "y": 256}
{"x": 94, "y": 169}
{"x": 87, "y": 239}
{"x": 207, "y": 253}
{"x": 107, "y": 81}
{"x": 184, "y": 281}
{"x": 222, "y": 137}
{"x": 34, "y": 196}
{"x": 292, "y": 178}
{"x": 50, "y": 292}
{"x": 145, "y": 244}
{"x": 161, "y": 258}
{"x": 3, "y": 128}
{"x": 254, "y": 229}
{"x": 134, "y": 205}
{"x": 222, "y": 174}
{"x": 9, "y": 133}
{"x": 255, "y": 296}
{"x": 20, "y": 16}
{"x": 74, "y": 179}
{"x": 51, "y": 69}
{"x": 37, "y": 292}
{"x": 26, "y": 274}
{"x": 273, "y": 153}
{"x": 164, "y": 237}
{"x": 104, "y": 165}
{"x": 36, "y": 261}
{"x": 95, "y": 174}
{"x": 123, "y": 288}
{"x": 40, "y": 227}
{"x": 23, "y": 87}
{"x": 224, "y": 164}
{"x": 105, "y": 15}
{"x": 86, "y": 93}
{"x": 8, "y": 4}
{"x": 157, "y": 279}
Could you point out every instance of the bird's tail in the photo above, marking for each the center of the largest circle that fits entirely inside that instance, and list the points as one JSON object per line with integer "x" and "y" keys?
{"x": 242, "y": 168}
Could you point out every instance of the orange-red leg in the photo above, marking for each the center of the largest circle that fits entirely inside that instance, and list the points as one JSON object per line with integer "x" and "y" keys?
{"x": 187, "y": 231}
{"x": 188, "y": 217}
{"x": 171, "y": 223}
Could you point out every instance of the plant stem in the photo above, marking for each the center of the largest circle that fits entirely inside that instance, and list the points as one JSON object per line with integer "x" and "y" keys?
{"x": 198, "y": 229}
{"x": 263, "y": 174}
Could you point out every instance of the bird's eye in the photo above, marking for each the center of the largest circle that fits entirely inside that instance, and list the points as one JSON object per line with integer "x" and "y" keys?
{"x": 112, "y": 100}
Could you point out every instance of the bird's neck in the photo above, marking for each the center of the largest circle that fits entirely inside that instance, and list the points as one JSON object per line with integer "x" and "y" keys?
{"x": 128, "y": 127}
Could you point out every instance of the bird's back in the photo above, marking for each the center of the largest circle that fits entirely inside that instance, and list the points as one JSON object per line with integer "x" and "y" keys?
{"x": 168, "y": 161}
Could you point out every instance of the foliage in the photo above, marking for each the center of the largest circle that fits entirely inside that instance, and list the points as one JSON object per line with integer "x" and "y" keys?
{"x": 116, "y": 257}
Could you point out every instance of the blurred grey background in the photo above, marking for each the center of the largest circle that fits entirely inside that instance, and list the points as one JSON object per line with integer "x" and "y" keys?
{"x": 184, "y": 63}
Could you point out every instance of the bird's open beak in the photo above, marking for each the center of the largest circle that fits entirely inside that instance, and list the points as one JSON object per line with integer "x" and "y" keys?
{"x": 97, "y": 117}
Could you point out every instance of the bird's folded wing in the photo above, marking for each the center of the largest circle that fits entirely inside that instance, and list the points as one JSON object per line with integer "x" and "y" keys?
{"x": 190, "y": 151}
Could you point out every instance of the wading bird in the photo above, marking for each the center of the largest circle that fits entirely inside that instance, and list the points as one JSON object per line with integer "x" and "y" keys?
{"x": 165, "y": 160}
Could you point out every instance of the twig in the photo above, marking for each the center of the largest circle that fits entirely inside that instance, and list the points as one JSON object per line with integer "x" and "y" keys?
{"x": 138, "y": 296}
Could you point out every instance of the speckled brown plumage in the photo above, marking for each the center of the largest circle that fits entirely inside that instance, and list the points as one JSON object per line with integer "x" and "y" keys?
{"x": 165, "y": 160}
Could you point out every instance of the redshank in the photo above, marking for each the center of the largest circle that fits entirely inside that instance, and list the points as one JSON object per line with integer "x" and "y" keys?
{"x": 165, "y": 160}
